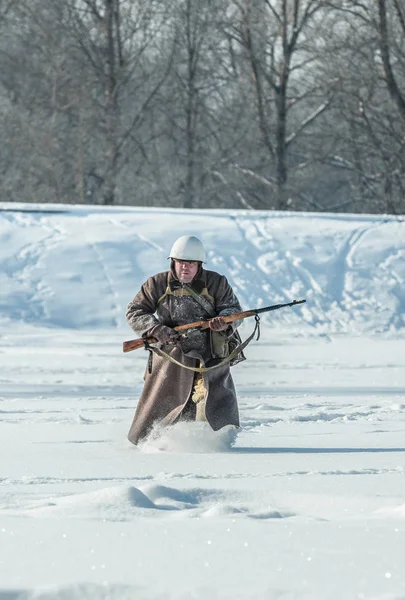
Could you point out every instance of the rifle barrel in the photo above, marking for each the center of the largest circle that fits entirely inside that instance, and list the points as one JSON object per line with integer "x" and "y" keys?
{"x": 276, "y": 306}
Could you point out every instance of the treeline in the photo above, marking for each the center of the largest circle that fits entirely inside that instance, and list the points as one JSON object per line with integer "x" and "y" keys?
{"x": 264, "y": 104}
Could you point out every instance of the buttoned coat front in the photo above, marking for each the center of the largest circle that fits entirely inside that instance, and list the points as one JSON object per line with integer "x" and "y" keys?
{"x": 163, "y": 299}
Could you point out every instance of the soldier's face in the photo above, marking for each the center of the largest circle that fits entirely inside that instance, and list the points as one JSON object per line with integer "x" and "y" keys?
{"x": 185, "y": 270}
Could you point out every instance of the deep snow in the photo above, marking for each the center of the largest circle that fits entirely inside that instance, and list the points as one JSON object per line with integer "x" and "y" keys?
{"x": 307, "y": 503}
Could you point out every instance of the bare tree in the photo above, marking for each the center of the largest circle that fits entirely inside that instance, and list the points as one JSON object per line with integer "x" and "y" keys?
{"x": 277, "y": 37}
{"x": 5, "y": 6}
{"x": 199, "y": 131}
{"x": 371, "y": 103}
{"x": 295, "y": 104}
{"x": 116, "y": 44}
{"x": 82, "y": 76}
{"x": 387, "y": 46}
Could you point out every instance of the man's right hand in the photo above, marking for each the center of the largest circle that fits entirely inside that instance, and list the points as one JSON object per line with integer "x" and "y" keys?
{"x": 164, "y": 334}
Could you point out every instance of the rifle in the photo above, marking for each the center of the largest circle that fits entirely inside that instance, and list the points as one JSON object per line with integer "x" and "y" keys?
{"x": 141, "y": 342}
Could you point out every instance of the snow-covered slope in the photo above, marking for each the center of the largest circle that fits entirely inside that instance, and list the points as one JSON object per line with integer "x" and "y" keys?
{"x": 77, "y": 267}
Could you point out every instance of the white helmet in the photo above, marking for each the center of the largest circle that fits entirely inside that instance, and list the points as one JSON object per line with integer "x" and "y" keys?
{"x": 188, "y": 247}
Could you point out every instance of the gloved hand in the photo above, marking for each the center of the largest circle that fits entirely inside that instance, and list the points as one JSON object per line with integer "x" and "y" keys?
{"x": 164, "y": 334}
{"x": 218, "y": 324}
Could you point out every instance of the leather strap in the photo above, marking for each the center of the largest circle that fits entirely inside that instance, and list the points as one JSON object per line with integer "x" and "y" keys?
{"x": 207, "y": 306}
{"x": 226, "y": 360}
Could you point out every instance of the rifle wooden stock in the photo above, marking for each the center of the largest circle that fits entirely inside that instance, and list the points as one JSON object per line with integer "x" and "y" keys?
{"x": 139, "y": 343}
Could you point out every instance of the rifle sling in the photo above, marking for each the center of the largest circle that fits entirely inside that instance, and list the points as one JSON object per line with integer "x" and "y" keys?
{"x": 207, "y": 306}
{"x": 226, "y": 360}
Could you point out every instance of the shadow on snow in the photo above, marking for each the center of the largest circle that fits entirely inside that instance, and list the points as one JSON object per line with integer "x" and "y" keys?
{"x": 290, "y": 450}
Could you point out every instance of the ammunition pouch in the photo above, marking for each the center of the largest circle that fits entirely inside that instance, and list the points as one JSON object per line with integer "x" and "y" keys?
{"x": 223, "y": 343}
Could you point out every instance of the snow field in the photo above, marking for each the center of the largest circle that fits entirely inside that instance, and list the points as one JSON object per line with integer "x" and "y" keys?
{"x": 305, "y": 502}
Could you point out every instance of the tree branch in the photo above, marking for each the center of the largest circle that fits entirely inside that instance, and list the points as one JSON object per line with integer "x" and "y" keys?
{"x": 392, "y": 84}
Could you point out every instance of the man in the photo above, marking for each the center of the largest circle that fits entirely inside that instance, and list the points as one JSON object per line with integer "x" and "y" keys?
{"x": 185, "y": 294}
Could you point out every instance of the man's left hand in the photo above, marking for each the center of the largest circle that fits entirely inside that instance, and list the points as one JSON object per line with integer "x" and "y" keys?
{"x": 218, "y": 324}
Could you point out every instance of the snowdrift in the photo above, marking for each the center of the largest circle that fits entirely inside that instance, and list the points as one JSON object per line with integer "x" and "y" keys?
{"x": 78, "y": 267}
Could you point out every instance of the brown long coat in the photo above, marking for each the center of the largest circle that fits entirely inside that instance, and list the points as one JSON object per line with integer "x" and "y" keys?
{"x": 163, "y": 299}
